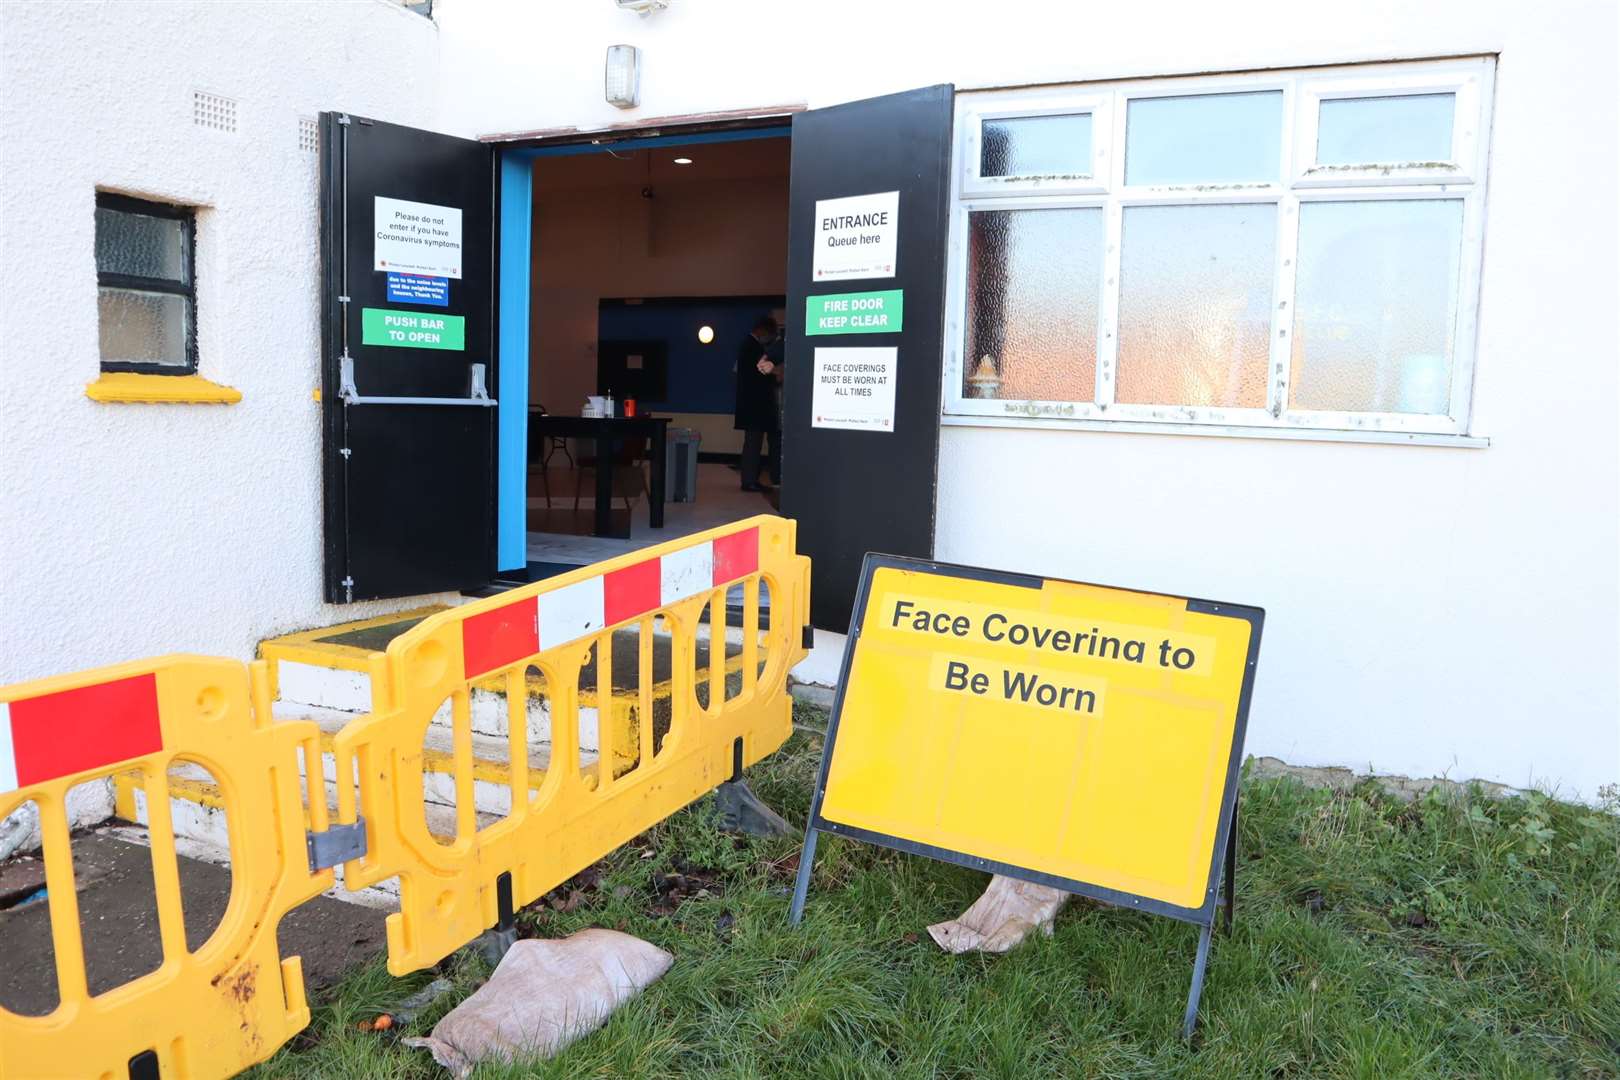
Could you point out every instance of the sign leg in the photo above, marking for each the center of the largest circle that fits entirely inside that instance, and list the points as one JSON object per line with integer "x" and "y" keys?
{"x": 1190, "y": 1020}
{"x": 1230, "y": 886}
{"x": 802, "y": 885}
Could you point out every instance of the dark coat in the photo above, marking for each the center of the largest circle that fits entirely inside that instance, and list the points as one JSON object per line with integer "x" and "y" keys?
{"x": 756, "y": 393}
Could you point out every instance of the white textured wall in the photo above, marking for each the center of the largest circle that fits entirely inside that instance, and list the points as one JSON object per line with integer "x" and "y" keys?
{"x": 128, "y": 530}
{"x": 1429, "y": 610}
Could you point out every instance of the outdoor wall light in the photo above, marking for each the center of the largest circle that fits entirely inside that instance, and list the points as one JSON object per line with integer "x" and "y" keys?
{"x": 705, "y": 334}
{"x": 683, "y": 161}
{"x": 621, "y": 80}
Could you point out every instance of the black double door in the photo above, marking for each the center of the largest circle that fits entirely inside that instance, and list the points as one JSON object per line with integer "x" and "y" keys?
{"x": 408, "y": 399}
{"x": 410, "y": 364}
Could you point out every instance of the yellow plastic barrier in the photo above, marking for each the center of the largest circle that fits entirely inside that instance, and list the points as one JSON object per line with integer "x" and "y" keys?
{"x": 231, "y": 1002}
{"x": 565, "y": 813}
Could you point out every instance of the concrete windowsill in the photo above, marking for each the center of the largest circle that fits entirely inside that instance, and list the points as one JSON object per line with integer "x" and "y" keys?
{"x": 126, "y": 386}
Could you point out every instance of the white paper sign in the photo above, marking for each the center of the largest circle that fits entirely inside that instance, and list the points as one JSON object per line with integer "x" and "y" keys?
{"x": 417, "y": 238}
{"x": 854, "y": 389}
{"x": 855, "y": 237}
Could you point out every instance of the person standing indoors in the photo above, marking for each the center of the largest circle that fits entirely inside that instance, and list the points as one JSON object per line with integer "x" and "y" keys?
{"x": 756, "y": 413}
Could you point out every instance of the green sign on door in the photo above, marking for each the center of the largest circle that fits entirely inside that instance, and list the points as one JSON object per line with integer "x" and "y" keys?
{"x": 412, "y": 329}
{"x": 854, "y": 313}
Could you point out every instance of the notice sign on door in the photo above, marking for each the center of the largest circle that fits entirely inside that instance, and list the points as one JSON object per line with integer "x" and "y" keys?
{"x": 417, "y": 238}
{"x": 1078, "y": 735}
{"x": 854, "y": 313}
{"x": 855, "y": 237}
{"x": 412, "y": 329}
{"x": 854, "y": 389}
{"x": 417, "y": 289}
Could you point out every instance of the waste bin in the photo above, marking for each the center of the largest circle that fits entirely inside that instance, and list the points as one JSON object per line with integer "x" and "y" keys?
{"x": 681, "y": 464}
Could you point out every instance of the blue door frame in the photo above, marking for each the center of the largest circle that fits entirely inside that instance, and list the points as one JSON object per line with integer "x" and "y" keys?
{"x": 517, "y": 234}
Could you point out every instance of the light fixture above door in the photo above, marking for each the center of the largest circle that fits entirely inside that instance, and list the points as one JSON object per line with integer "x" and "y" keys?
{"x": 621, "y": 79}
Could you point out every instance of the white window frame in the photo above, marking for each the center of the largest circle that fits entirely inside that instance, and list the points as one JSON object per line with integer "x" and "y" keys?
{"x": 1300, "y": 181}
{"x": 1017, "y": 105}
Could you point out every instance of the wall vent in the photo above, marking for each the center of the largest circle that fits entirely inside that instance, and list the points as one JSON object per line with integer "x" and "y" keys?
{"x": 309, "y": 134}
{"x": 213, "y": 111}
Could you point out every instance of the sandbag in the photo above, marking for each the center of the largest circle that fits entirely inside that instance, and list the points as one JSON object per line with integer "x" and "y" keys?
{"x": 1001, "y": 918}
{"x": 543, "y": 996}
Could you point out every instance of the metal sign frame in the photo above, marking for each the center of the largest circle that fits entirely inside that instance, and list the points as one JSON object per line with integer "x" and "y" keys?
{"x": 1223, "y": 856}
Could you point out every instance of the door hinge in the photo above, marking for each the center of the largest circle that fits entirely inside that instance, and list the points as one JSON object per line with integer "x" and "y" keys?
{"x": 345, "y": 451}
{"x": 343, "y": 119}
{"x": 348, "y": 590}
{"x": 343, "y": 299}
{"x": 346, "y": 388}
{"x": 478, "y": 391}
{"x": 335, "y": 845}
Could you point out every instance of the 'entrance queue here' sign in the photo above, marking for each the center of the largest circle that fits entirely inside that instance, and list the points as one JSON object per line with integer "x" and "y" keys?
{"x": 1076, "y": 735}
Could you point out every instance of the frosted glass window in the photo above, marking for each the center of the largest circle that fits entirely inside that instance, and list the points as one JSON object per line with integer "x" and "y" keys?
{"x": 1033, "y": 283}
{"x": 1376, "y": 306}
{"x": 1204, "y": 139}
{"x": 148, "y": 300}
{"x": 143, "y": 328}
{"x": 1036, "y": 146}
{"x": 143, "y": 246}
{"x": 1195, "y": 305}
{"x": 1385, "y": 130}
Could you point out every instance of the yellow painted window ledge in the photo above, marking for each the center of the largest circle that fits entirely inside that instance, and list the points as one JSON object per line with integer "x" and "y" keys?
{"x": 131, "y": 386}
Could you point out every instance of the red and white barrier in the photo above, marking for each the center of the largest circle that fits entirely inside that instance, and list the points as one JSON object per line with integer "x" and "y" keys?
{"x": 494, "y": 639}
{"x": 73, "y": 731}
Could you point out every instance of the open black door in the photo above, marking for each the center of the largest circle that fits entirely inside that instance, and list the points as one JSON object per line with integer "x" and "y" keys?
{"x": 409, "y": 423}
{"x": 868, "y": 207}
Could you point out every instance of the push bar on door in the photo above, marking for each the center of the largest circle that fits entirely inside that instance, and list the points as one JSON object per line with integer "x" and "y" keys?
{"x": 477, "y": 394}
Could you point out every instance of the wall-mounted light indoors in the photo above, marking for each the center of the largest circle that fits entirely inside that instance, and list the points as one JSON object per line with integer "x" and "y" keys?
{"x": 621, "y": 80}
{"x": 705, "y": 334}
{"x": 683, "y": 161}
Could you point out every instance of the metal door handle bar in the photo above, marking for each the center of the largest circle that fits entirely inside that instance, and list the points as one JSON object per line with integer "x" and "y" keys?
{"x": 357, "y": 400}
{"x": 477, "y": 395}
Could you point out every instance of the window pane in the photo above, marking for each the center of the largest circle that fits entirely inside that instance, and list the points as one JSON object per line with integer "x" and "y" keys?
{"x": 1385, "y": 130}
{"x": 143, "y": 327}
{"x": 1195, "y": 305}
{"x": 137, "y": 244}
{"x": 1037, "y": 146}
{"x": 1376, "y": 306}
{"x": 1209, "y": 139}
{"x": 1033, "y": 279}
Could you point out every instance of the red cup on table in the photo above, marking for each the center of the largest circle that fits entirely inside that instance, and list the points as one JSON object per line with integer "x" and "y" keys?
{"x": 629, "y": 406}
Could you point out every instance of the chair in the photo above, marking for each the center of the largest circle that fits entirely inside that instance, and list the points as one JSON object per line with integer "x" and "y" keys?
{"x": 554, "y": 443}
{"x": 629, "y": 478}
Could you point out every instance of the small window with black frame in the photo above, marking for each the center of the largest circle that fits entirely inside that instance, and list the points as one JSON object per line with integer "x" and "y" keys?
{"x": 145, "y": 259}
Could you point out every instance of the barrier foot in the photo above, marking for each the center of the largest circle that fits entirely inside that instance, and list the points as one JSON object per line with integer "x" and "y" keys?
{"x": 743, "y": 811}
{"x": 1190, "y": 1020}
{"x": 493, "y": 943}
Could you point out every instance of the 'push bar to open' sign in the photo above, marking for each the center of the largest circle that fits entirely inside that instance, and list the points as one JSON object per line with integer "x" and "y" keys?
{"x": 1073, "y": 735}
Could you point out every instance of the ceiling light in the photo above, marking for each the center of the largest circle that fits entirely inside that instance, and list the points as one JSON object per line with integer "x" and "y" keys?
{"x": 683, "y": 161}
{"x": 705, "y": 334}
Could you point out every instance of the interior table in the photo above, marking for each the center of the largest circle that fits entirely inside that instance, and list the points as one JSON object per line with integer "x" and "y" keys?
{"x": 608, "y": 432}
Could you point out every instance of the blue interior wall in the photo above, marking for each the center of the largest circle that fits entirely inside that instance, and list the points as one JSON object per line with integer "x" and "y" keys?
{"x": 701, "y": 379}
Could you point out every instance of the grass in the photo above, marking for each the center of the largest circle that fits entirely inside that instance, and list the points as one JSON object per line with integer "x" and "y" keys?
{"x": 1455, "y": 936}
